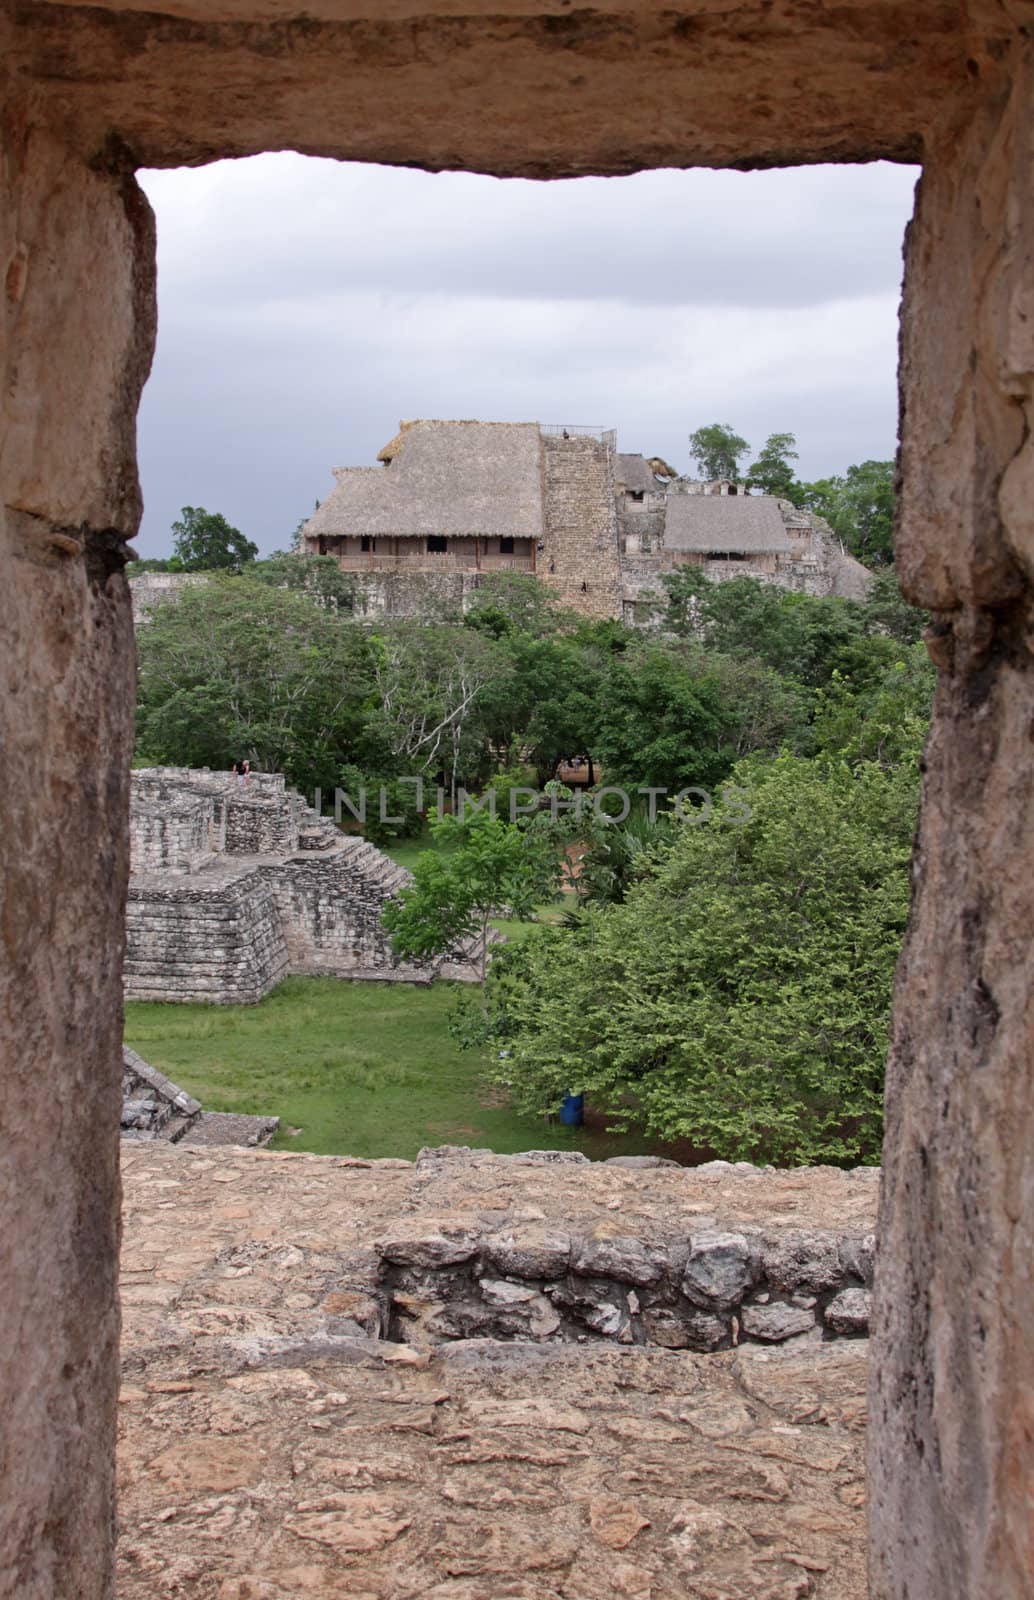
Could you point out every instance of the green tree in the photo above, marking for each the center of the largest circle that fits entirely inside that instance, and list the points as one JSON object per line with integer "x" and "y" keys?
{"x": 773, "y": 473}
{"x": 509, "y": 602}
{"x": 886, "y": 610}
{"x": 431, "y": 682}
{"x": 678, "y": 716}
{"x": 859, "y": 507}
{"x": 319, "y": 576}
{"x": 740, "y": 997}
{"x": 148, "y": 564}
{"x": 883, "y": 720}
{"x": 239, "y": 668}
{"x": 482, "y": 867}
{"x": 717, "y": 448}
{"x": 205, "y": 542}
{"x": 799, "y": 636}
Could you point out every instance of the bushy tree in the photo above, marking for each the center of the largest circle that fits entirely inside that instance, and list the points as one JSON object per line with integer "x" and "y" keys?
{"x": 882, "y": 719}
{"x": 773, "y": 472}
{"x": 318, "y": 576}
{"x": 740, "y": 997}
{"x": 508, "y": 603}
{"x": 430, "y": 683}
{"x": 717, "y": 448}
{"x": 482, "y": 867}
{"x": 239, "y": 668}
{"x": 887, "y": 611}
{"x": 859, "y": 507}
{"x": 680, "y": 716}
{"x": 205, "y": 542}
{"x": 799, "y": 636}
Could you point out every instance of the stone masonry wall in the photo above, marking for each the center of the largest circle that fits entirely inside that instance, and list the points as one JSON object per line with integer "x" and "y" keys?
{"x": 277, "y": 1441}
{"x": 701, "y": 1286}
{"x": 175, "y": 836}
{"x": 149, "y": 590}
{"x": 330, "y": 911}
{"x": 210, "y": 937}
{"x": 414, "y": 594}
{"x": 581, "y": 537}
{"x": 153, "y": 1107}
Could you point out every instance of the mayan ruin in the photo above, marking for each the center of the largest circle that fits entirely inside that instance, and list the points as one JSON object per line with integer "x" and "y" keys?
{"x": 454, "y": 500}
{"x": 253, "y": 1374}
{"x": 233, "y": 888}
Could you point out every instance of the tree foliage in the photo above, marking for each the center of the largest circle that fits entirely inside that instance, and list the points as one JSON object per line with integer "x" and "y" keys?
{"x": 205, "y": 542}
{"x": 482, "y": 867}
{"x": 239, "y": 668}
{"x": 717, "y": 449}
{"x": 859, "y": 507}
{"x": 773, "y": 472}
{"x": 740, "y": 995}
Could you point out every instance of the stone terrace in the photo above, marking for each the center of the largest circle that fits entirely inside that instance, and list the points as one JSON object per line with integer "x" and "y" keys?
{"x": 273, "y": 1446}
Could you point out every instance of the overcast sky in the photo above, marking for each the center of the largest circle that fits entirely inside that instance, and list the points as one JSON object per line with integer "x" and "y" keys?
{"x": 306, "y": 306}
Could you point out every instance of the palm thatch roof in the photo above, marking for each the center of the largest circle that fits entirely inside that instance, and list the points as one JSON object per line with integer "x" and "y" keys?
{"x": 748, "y": 524}
{"x": 454, "y": 479}
{"x": 633, "y": 472}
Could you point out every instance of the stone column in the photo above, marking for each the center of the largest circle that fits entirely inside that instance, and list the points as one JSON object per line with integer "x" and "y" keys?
{"x": 76, "y": 331}
{"x": 952, "y": 1393}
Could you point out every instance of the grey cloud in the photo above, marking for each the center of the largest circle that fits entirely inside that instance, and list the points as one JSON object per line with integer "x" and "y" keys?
{"x": 305, "y": 307}
{"x": 662, "y": 238}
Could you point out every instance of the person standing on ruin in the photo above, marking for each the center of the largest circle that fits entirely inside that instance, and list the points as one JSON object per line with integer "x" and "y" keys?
{"x": 238, "y": 770}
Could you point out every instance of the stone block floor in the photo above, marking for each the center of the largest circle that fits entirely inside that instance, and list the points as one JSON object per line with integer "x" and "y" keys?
{"x": 271, "y": 1449}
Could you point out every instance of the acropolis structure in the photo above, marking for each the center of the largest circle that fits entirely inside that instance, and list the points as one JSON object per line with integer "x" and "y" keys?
{"x": 452, "y": 501}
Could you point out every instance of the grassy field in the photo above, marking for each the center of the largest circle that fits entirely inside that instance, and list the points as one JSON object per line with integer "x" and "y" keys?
{"x": 364, "y": 1069}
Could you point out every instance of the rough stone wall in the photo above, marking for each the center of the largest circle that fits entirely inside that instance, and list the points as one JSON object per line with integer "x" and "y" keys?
{"x": 708, "y": 1287}
{"x": 952, "y": 1448}
{"x": 274, "y": 1444}
{"x": 179, "y": 817}
{"x": 330, "y": 910}
{"x": 259, "y": 826}
{"x": 153, "y": 1107}
{"x": 414, "y": 594}
{"x": 76, "y": 331}
{"x": 175, "y": 837}
{"x": 234, "y": 887}
{"x": 640, "y": 524}
{"x": 581, "y": 561}
{"x": 149, "y": 590}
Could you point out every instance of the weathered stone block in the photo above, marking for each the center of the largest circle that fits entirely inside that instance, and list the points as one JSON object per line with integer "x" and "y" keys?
{"x": 720, "y": 1269}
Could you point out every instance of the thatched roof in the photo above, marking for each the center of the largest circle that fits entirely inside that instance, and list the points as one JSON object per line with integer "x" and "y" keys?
{"x": 447, "y": 478}
{"x": 633, "y": 472}
{"x": 751, "y": 524}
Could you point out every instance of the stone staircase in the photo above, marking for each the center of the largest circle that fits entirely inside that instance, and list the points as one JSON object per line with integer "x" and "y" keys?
{"x": 316, "y": 832}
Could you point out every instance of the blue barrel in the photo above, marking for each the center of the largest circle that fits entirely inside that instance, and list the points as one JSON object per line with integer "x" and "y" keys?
{"x": 572, "y": 1108}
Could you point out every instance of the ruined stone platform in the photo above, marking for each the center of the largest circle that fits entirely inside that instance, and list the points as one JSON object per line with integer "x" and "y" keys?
{"x": 275, "y": 1444}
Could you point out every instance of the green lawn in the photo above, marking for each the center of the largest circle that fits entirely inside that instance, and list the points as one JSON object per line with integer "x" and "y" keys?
{"x": 364, "y": 1069}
